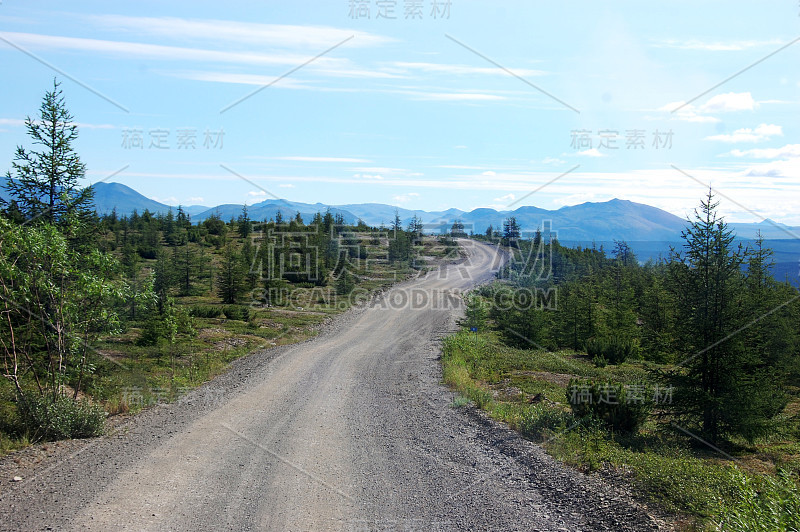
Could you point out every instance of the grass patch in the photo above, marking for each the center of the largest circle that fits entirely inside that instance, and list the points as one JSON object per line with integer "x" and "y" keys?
{"x": 758, "y": 491}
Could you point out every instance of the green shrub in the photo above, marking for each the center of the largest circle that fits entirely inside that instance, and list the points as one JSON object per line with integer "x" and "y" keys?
{"x": 152, "y": 332}
{"x": 42, "y": 417}
{"x": 234, "y": 312}
{"x": 613, "y": 350}
{"x": 539, "y": 420}
{"x": 622, "y": 407}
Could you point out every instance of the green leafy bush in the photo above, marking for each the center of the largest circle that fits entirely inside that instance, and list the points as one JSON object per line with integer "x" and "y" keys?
{"x": 152, "y": 332}
{"x": 60, "y": 418}
{"x": 611, "y": 350}
{"x": 234, "y": 312}
{"x": 622, "y": 407}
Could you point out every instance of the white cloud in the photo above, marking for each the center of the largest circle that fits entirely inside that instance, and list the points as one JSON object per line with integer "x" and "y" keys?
{"x": 730, "y": 46}
{"x": 762, "y": 132}
{"x": 729, "y": 102}
{"x": 593, "y": 152}
{"x": 790, "y": 151}
{"x": 195, "y": 200}
{"x": 321, "y": 159}
{"x": 506, "y": 198}
{"x": 456, "y": 96}
{"x": 377, "y": 177}
{"x": 381, "y": 170}
{"x": 249, "y": 33}
{"x": 172, "y": 200}
{"x": 160, "y": 52}
{"x": 721, "y": 103}
{"x": 776, "y": 169}
{"x": 256, "y": 193}
{"x": 405, "y": 198}
{"x": 577, "y": 199}
{"x": 553, "y": 160}
{"x": 463, "y": 69}
{"x": 489, "y": 173}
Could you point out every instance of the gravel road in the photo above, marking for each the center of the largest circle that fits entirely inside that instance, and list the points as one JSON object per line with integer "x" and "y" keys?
{"x": 351, "y": 430}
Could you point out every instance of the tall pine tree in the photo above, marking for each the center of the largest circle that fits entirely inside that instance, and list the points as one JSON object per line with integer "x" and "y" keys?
{"x": 43, "y": 182}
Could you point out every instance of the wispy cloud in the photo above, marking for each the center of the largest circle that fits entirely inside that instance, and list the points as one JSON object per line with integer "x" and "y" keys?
{"x": 442, "y": 68}
{"x": 247, "y": 33}
{"x": 721, "y": 103}
{"x": 790, "y": 151}
{"x": 456, "y": 96}
{"x": 593, "y": 152}
{"x": 405, "y": 198}
{"x": 314, "y": 159}
{"x": 167, "y": 53}
{"x": 714, "y": 46}
{"x": 505, "y": 199}
{"x": 761, "y": 133}
{"x": 171, "y": 200}
{"x": 729, "y": 102}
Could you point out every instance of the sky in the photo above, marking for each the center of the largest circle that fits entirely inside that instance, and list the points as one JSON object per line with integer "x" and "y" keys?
{"x": 421, "y": 104}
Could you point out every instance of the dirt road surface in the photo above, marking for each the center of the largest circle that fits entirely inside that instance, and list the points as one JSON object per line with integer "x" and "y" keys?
{"x": 351, "y": 430}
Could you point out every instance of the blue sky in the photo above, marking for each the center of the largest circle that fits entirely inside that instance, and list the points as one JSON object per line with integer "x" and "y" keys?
{"x": 486, "y": 104}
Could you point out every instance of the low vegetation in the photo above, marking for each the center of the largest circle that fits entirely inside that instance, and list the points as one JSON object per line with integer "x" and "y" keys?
{"x": 678, "y": 377}
{"x": 748, "y": 486}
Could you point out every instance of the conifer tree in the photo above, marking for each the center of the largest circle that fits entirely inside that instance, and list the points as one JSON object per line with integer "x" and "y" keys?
{"x": 43, "y": 182}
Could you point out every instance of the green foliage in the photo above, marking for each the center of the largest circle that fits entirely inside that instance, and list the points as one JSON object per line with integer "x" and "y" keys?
{"x": 231, "y": 276}
{"x": 205, "y": 311}
{"x": 732, "y": 384}
{"x": 613, "y": 350}
{"x": 152, "y": 332}
{"x": 760, "y": 504}
{"x": 44, "y": 183}
{"x": 59, "y": 417}
{"x": 714, "y": 308}
{"x": 621, "y": 407}
{"x": 475, "y": 314}
{"x": 244, "y": 224}
{"x": 511, "y": 232}
{"x": 345, "y": 283}
{"x": 55, "y": 300}
{"x": 236, "y": 312}
{"x": 165, "y": 326}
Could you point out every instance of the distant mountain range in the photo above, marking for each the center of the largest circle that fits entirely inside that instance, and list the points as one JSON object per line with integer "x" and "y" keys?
{"x": 599, "y": 222}
{"x": 650, "y": 232}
